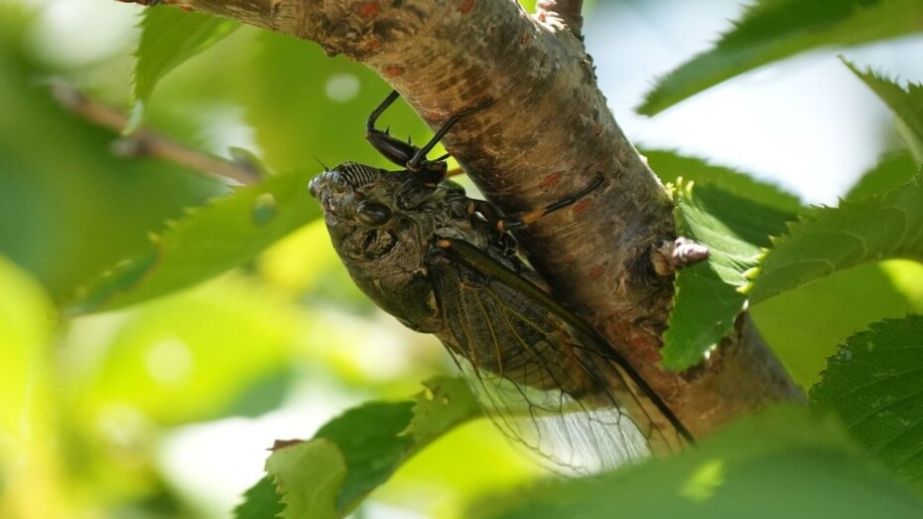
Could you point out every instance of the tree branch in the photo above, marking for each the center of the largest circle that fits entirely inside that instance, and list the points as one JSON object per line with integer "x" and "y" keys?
{"x": 548, "y": 134}
{"x": 148, "y": 143}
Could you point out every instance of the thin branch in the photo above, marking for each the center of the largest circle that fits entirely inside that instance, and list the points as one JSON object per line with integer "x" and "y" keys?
{"x": 147, "y": 143}
{"x": 566, "y": 12}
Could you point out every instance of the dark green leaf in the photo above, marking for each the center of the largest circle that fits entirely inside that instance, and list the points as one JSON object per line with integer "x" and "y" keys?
{"x": 772, "y": 30}
{"x": 830, "y": 239}
{"x": 781, "y": 463}
{"x": 708, "y": 297}
{"x": 261, "y": 501}
{"x": 906, "y": 103}
{"x": 873, "y": 383}
{"x": 671, "y": 166}
{"x": 373, "y": 445}
{"x": 376, "y": 438}
{"x": 207, "y": 242}
{"x": 169, "y": 37}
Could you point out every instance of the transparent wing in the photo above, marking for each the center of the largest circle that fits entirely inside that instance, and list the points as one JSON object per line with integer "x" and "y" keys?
{"x": 541, "y": 381}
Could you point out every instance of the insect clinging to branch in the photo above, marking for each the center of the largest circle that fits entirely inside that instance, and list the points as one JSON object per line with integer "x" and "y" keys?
{"x": 446, "y": 264}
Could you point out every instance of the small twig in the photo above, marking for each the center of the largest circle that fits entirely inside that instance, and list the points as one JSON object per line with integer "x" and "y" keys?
{"x": 147, "y": 143}
{"x": 565, "y": 11}
{"x": 674, "y": 255}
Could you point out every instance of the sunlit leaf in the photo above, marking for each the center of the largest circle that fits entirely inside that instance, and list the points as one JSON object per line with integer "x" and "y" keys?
{"x": 781, "y": 463}
{"x": 207, "y": 241}
{"x": 873, "y": 383}
{"x": 707, "y": 298}
{"x": 771, "y": 30}
{"x": 878, "y": 227}
{"x": 893, "y": 169}
{"x": 308, "y": 476}
{"x": 27, "y": 450}
{"x": 373, "y": 440}
{"x": 25, "y": 325}
{"x": 169, "y": 37}
{"x": 839, "y": 306}
{"x": 906, "y": 103}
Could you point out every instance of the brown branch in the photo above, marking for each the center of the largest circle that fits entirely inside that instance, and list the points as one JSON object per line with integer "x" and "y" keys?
{"x": 147, "y": 143}
{"x": 548, "y": 133}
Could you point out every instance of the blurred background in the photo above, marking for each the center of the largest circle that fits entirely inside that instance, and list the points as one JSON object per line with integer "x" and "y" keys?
{"x": 166, "y": 409}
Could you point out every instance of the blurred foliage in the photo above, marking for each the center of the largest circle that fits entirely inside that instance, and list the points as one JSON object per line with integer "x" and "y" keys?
{"x": 205, "y": 242}
{"x": 244, "y": 320}
{"x": 60, "y": 186}
{"x": 169, "y": 38}
{"x": 772, "y": 30}
{"x": 781, "y": 463}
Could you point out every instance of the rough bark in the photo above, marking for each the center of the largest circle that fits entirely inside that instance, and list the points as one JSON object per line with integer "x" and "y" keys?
{"x": 548, "y": 133}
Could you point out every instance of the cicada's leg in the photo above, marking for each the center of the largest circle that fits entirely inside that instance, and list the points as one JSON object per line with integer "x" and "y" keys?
{"x": 501, "y": 223}
{"x": 406, "y": 154}
{"x": 419, "y": 162}
{"x": 393, "y": 149}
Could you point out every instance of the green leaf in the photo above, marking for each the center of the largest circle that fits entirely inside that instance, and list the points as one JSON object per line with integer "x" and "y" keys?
{"x": 261, "y": 501}
{"x": 308, "y": 475}
{"x": 671, "y": 167}
{"x": 830, "y": 239}
{"x": 169, "y": 37}
{"x": 856, "y": 297}
{"x": 207, "y": 242}
{"x": 873, "y": 383}
{"x": 375, "y": 439}
{"x": 708, "y": 298}
{"x": 781, "y": 463}
{"x": 862, "y": 294}
{"x": 906, "y": 103}
{"x": 373, "y": 445}
{"x": 893, "y": 169}
{"x": 445, "y": 403}
{"x": 772, "y": 30}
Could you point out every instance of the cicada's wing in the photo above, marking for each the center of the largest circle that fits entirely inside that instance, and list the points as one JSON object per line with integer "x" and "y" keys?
{"x": 544, "y": 379}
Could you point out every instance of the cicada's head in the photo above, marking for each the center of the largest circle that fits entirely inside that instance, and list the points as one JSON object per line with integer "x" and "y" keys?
{"x": 365, "y": 211}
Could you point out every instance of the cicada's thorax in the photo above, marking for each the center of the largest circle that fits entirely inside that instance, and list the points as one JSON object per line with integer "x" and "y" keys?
{"x": 383, "y": 225}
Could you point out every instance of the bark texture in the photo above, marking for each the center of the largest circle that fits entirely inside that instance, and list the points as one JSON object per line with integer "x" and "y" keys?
{"x": 548, "y": 133}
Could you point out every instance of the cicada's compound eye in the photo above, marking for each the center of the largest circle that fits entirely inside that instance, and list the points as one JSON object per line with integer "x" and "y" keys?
{"x": 373, "y": 213}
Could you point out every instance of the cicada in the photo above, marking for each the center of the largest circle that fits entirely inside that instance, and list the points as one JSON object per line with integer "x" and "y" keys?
{"x": 446, "y": 264}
